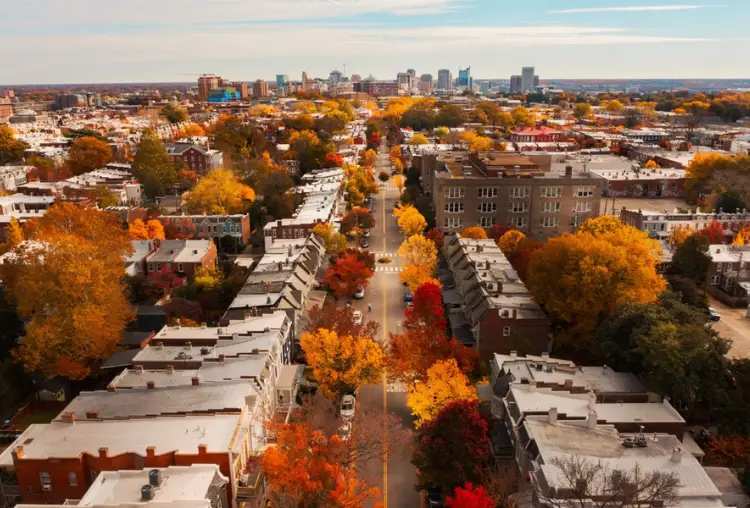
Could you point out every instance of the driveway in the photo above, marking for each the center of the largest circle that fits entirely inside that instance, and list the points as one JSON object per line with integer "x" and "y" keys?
{"x": 734, "y": 325}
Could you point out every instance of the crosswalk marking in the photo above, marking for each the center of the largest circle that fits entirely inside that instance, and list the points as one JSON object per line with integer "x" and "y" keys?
{"x": 389, "y": 188}
{"x": 384, "y": 254}
{"x": 390, "y": 269}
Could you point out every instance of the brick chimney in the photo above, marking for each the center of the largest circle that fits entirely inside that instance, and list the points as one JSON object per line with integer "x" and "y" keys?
{"x": 17, "y": 452}
{"x": 103, "y": 452}
{"x": 151, "y": 451}
{"x": 69, "y": 417}
{"x": 151, "y": 385}
{"x": 92, "y": 414}
{"x": 111, "y": 388}
{"x": 195, "y": 381}
{"x": 202, "y": 449}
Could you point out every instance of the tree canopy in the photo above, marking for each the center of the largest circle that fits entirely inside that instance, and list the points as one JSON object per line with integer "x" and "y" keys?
{"x": 219, "y": 193}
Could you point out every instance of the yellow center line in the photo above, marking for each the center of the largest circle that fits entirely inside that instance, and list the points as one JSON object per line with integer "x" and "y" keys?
{"x": 385, "y": 378}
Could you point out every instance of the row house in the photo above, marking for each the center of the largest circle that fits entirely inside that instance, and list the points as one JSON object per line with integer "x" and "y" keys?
{"x": 542, "y": 134}
{"x": 196, "y": 158}
{"x": 663, "y": 224}
{"x": 210, "y": 226}
{"x": 182, "y": 257}
{"x": 13, "y": 176}
{"x": 22, "y": 208}
{"x": 729, "y": 271}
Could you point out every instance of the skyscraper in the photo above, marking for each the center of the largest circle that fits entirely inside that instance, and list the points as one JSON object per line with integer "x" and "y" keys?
{"x": 426, "y": 78}
{"x": 527, "y": 79}
{"x": 464, "y": 78}
{"x": 445, "y": 79}
{"x": 305, "y": 81}
{"x": 404, "y": 80}
{"x": 356, "y": 78}
{"x": 206, "y": 83}
{"x": 336, "y": 76}
{"x": 515, "y": 84}
{"x": 536, "y": 81}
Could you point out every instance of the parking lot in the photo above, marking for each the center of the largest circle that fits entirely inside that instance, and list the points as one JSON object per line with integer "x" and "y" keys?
{"x": 734, "y": 325}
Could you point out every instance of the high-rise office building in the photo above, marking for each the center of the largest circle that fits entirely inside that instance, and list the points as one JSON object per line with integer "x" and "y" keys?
{"x": 282, "y": 80}
{"x": 536, "y": 81}
{"x": 464, "y": 78}
{"x": 527, "y": 79}
{"x": 412, "y": 77}
{"x": 426, "y": 78}
{"x": 445, "y": 79}
{"x": 515, "y": 83}
{"x": 336, "y": 76}
{"x": 260, "y": 88}
{"x": 404, "y": 80}
{"x": 206, "y": 83}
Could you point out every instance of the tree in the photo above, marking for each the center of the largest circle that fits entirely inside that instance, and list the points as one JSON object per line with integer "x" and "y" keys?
{"x": 335, "y": 242}
{"x": 155, "y": 230}
{"x": 613, "y": 106}
{"x": 418, "y": 139}
{"x": 480, "y": 144}
{"x": 347, "y": 273}
{"x": 219, "y": 193}
{"x": 714, "y": 232}
{"x": 509, "y": 242}
{"x": 694, "y": 111}
{"x": 522, "y": 117}
{"x": 474, "y": 233}
{"x": 398, "y": 182}
{"x": 445, "y": 384}
{"x": 427, "y": 307}
{"x": 13, "y": 234}
{"x": 581, "y": 110}
{"x": 651, "y": 164}
{"x": 731, "y": 202}
{"x": 357, "y": 220}
{"x": 191, "y": 130}
{"x": 678, "y": 236}
{"x": 580, "y": 279}
{"x": 691, "y": 259}
{"x": 153, "y": 166}
{"x": 138, "y": 230}
{"x": 436, "y": 236}
{"x": 411, "y": 222}
{"x": 333, "y": 160}
{"x": 208, "y": 278}
{"x": 11, "y": 149}
{"x": 450, "y": 115}
{"x": 368, "y": 159}
{"x": 162, "y": 283}
{"x": 67, "y": 283}
{"x": 342, "y": 363}
{"x": 469, "y": 497}
{"x": 452, "y": 449}
{"x": 340, "y": 320}
{"x": 87, "y": 154}
{"x": 603, "y": 225}
{"x": 173, "y": 114}
{"x": 419, "y": 251}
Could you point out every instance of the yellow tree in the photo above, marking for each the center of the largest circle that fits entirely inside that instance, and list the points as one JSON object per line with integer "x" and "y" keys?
{"x": 155, "y": 230}
{"x": 398, "y": 182}
{"x": 191, "y": 130}
{"x": 208, "y": 278}
{"x": 369, "y": 157}
{"x": 418, "y": 139}
{"x": 400, "y": 209}
{"x": 219, "y": 193}
{"x": 581, "y": 279}
{"x": 335, "y": 242}
{"x": 739, "y": 239}
{"x": 67, "y": 282}
{"x": 137, "y": 230}
{"x": 415, "y": 275}
{"x": 602, "y": 225}
{"x": 522, "y": 117}
{"x": 651, "y": 164}
{"x": 445, "y": 384}
{"x": 678, "y": 237}
{"x": 306, "y": 107}
{"x": 411, "y": 222}
{"x": 398, "y": 165}
{"x": 510, "y": 240}
{"x": 419, "y": 251}
{"x": 474, "y": 233}
{"x": 14, "y": 234}
{"x": 341, "y": 364}
{"x": 480, "y": 144}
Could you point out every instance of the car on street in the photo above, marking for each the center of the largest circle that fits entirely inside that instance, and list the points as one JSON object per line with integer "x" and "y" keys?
{"x": 366, "y": 234}
{"x": 408, "y": 297}
{"x": 360, "y": 294}
{"x": 357, "y": 317}
{"x": 347, "y": 406}
{"x": 365, "y": 243}
{"x": 713, "y": 315}
{"x": 434, "y": 499}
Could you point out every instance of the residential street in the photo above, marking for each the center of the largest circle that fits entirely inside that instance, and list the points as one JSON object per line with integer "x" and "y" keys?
{"x": 734, "y": 325}
{"x": 385, "y": 293}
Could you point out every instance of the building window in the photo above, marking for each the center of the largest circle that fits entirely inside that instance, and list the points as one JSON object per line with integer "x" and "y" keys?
{"x": 506, "y": 331}
{"x": 46, "y": 481}
{"x": 584, "y": 192}
{"x": 72, "y": 479}
{"x": 551, "y": 192}
{"x": 549, "y": 221}
{"x": 486, "y": 222}
{"x": 585, "y": 206}
{"x": 454, "y": 207}
{"x": 487, "y": 192}
{"x": 453, "y": 222}
{"x": 715, "y": 279}
{"x": 487, "y": 207}
{"x": 519, "y": 222}
{"x": 180, "y": 267}
{"x": 519, "y": 192}
{"x": 454, "y": 192}
{"x": 518, "y": 206}
{"x": 158, "y": 267}
{"x": 551, "y": 206}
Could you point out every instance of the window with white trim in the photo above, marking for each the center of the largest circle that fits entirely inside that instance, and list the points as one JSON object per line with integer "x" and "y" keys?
{"x": 519, "y": 222}
{"x": 577, "y": 220}
{"x": 506, "y": 331}
{"x": 453, "y": 223}
{"x": 549, "y": 221}
{"x": 551, "y": 207}
{"x": 454, "y": 192}
{"x": 46, "y": 480}
{"x": 715, "y": 279}
{"x": 487, "y": 207}
{"x": 584, "y": 192}
{"x": 585, "y": 206}
{"x": 454, "y": 207}
{"x": 518, "y": 206}
{"x": 485, "y": 222}
{"x": 551, "y": 192}
{"x": 519, "y": 192}
{"x": 487, "y": 192}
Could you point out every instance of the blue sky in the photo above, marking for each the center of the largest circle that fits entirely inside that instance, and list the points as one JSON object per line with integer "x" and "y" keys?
{"x": 79, "y": 41}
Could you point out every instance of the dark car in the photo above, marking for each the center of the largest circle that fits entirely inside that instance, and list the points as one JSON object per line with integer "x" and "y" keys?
{"x": 408, "y": 297}
{"x": 365, "y": 243}
{"x": 713, "y": 315}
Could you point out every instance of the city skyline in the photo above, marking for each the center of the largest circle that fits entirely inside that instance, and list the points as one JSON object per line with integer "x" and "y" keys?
{"x": 171, "y": 42}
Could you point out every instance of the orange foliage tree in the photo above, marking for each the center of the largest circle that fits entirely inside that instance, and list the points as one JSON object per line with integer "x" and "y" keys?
{"x": 348, "y": 272}
{"x": 139, "y": 230}
{"x": 67, "y": 282}
{"x": 474, "y": 233}
{"x": 87, "y": 154}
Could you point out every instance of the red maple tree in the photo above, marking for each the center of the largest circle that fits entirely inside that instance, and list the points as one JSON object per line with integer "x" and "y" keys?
{"x": 333, "y": 160}
{"x": 427, "y": 307}
{"x": 469, "y": 497}
{"x": 498, "y": 230}
{"x": 521, "y": 256}
{"x": 348, "y": 272}
{"x": 374, "y": 138}
{"x": 714, "y": 232}
{"x": 161, "y": 283}
{"x": 357, "y": 217}
{"x": 340, "y": 320}
{"x": 437, "y": 237}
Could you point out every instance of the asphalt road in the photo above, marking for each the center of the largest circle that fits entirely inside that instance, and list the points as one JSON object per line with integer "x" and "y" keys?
{"x": 395, "y": 478}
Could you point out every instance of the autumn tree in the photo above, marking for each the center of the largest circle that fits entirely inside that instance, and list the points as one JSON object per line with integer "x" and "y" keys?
{"x": 357, "y": 220}
{"x": 418, "y": 139}
{"x": 87, "y": 154}
{"x": 427, "y": 307}
{"x": 150, "y": 230}
{"x": 510, "y": 241}
{"x": 67, "y": 282}
{"x": 452, "y": 448}
{"x": 651, "y": 164}
{"x": 13, "y": 234}
{"x": 162, "y": 283}
{"x": 335, "y": 242}
{"x": 333, "y": 160}
{"x": 347, "y": 273}
{"x": 411, "y": 222}
{"x": 582, "y": 278}
{"x": 369, "y": 157}
{"x": 436, "y": 236}
{"x": 416, "y": 275}
{"x": 173, "y": 114}
{"x": 191, "y": 130}
{"x": 155, "y": 230}
{"x": 678, "y": 236}
{"x": 208, "y": 278}
{"x": 340, "y": 320}
{"x": 219, "y": 193}
{"x": 11, "y": 149}
{"x": 153, "y": 166}
{"x": 581, "y": 110}
{"x": 419, "y": 251}
{"x": 445, "y": 384}
{"x": 342, "y": 363}
{"x": 474, "y": 233}
{"x": 469, "y": 497}
{"x": 522, "y": 117}
{"x": 714, "y": 232}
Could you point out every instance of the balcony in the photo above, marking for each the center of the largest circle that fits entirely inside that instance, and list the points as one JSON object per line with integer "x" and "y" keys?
{"x": 252, "y": 485}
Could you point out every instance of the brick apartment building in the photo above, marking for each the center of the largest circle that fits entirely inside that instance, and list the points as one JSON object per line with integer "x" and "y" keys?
{"x": 210, "y": 226}
{"x": 541, "y": 134}
{"x": 182, "y": 257}
{"x": 195, "y": 157}
{"x": 497, "y": 188}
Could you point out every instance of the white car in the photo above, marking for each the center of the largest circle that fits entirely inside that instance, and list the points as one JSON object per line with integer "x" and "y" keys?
{"x": 347, "y": 406}
{"x": 357, "y": 316}
{"x": 360, "y": 294}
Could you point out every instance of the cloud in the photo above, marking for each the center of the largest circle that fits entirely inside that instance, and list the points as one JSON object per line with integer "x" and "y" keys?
{"x": 636, "y": 8}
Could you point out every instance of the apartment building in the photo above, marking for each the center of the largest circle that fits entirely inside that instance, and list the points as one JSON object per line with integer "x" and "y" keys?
{"x": 195, "y": 157}
{"x": 661, "y": 224}
{"x": 484, "y": 190}
{"x": 210, "y": 226}
{"x": 182, "y": 257}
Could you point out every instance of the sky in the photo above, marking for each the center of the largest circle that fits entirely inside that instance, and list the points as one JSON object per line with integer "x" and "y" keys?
{"x": 109, "y": 41}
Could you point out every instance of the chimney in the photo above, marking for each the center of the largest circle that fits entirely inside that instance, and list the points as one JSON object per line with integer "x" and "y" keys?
{"x": 150, "y": 385}
{"x": 111, "y": 388}
{"x": 676, "y": 456}
{"x": 17, "y": 452}
{"x": 92, "y": 414}
{"x": 591, "y": 420}
{"x": 139, "y": 369}
{"x": 513, "y": 354}
{"x": 69, "y": 417}
{"x": 553, "y": 416}
{"x": 568, "y": 383}
{"x": 196, "y": 381}
{"x": 545, "y": 355}
{"x": 160, "y": 344}
{"x": 592, "y": 401}
{"x": 568, "y": 171}
{"x": 170, "y": 369}
{"x": 150, "y": 451}
{"x": 203, "y": 325}
{"x": 202, "y": 449}
{"x": 103, "y": 452}
{"x": 221, "y": 358}
{"x": 188, "y": 345}
{"x": 515, "y": 313}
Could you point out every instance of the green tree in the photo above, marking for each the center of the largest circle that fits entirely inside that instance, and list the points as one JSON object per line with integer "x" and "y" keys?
{"x": 691, "y": 259}
{"x": 450, "y": 115}
{"x": 153, "y": 166}
{"x": 173, "y": 114}
{"x": 11, "y": 149}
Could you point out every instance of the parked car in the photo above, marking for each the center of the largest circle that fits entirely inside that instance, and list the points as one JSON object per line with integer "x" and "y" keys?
{"x": 365, "y": 243}
{"x": 360, "y": 294}
{"x": 366, "y": 234}
{"x": 408, "y": 297}
{"x": 347, "y": 406}
{"x": 713, "y": 315}
{"x": 357, "y": 316}
{"x": 434, "y": 499}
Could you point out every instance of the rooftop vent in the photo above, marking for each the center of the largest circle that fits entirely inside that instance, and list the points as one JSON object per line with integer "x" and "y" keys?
{"x": 147, "y": 492}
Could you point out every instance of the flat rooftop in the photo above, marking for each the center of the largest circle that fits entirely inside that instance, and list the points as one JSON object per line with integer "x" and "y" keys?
{"x": 244, "y": 367}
